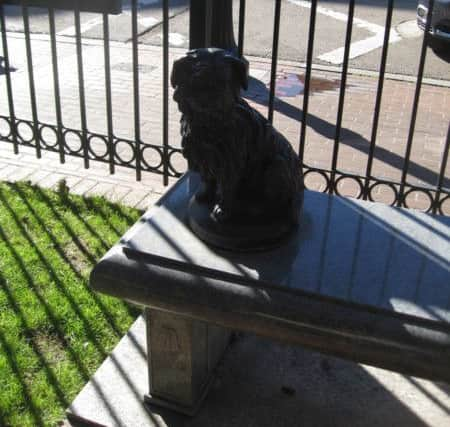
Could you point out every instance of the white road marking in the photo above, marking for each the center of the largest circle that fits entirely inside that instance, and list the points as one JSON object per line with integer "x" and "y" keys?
{"x": 409, "y": 29}
{"x": 148, "y": 21}
{"x": 357, "y": 48}
{"x": 85, "y": 26}
{"x": 14, "y": 28}
{"x": 176, "y": 39}
{"x": 145, "y": 21}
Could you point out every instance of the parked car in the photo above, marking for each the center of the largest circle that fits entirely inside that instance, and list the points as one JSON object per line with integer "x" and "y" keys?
{"x": 440, "y": 22}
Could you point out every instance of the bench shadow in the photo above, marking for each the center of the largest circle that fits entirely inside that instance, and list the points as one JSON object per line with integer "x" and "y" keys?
{"x": 259, "y": 93}
{"x": 264, "y": 383}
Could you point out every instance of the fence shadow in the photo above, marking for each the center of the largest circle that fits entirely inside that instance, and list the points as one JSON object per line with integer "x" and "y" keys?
{"x": 3, "y": 69}
{"x": 25, "y": 216}
{"x": 259, "y": 93}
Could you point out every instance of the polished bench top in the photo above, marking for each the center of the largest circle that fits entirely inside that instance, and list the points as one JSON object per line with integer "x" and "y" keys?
{"x": 368, "y": 275}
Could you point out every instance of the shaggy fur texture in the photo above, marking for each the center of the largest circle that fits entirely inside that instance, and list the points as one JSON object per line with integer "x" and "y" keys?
{"x": 249, "y": 170}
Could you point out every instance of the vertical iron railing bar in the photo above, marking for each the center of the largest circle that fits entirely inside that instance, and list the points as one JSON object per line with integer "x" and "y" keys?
{"x": 273, "y": 69}
{"x": 442, "y": 172}
{"x": 51, "y": 20}
{"x": 241, "y": 28}
{"x": 137, "y": 113}
{"x": 376, "y": 115}
{"x": 81, "y": 93}
{"x": 109, "y": 113}
{"x": 26, "y": 30}
{"x": 415, "y": 108}
{"x": 9, "y": 92}
{"x": 312, "y": 29}
{"x": 348, "y": 39}
{"x": 166, "y": 158}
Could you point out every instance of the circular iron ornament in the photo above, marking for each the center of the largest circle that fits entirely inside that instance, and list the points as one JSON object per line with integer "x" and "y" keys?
{"x": 176, "y": 171}
{"x": 323, "y": 174}
{"x": 48, "y": 136}
{"x": 131, "y": 155}
{"x": 97, "y": 140}
{"x": 422, "y": 191}
{"x": 158, "y": 163}
{"x": 386, "y": 184}
{"x": 21, "y": 132}
{"x": 72, "y": 142}
{"x": 5, "y": 128}
{"x": 352, "y": 178}
{"x": 441, "y": 206}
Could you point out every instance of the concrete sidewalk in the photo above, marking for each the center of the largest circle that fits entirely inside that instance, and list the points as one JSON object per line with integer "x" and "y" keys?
{"x": 430, "y": 127}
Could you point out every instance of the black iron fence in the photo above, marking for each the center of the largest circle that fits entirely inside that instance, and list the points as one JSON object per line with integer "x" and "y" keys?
{"x": 205, "y": 30}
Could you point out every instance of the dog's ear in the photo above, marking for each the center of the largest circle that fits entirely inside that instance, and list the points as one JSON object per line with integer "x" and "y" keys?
{"x": 180, "y": 69}
{"x": 240, "y": 70}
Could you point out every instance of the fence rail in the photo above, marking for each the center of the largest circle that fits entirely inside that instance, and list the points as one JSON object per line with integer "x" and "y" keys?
{"x": 35, "y": 133}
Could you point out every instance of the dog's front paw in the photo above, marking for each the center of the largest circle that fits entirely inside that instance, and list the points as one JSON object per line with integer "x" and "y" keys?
{"x": 220, "y": 214}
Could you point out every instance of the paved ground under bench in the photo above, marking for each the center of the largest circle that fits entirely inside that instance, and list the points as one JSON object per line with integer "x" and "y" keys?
{"x": 260, "y": 383}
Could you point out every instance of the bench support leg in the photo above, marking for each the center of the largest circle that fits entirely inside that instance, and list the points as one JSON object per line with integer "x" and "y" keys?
{"x": 182, "y": 355}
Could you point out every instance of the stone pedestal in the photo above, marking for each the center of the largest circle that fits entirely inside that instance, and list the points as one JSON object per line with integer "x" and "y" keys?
{"x": 182, "y": 355}
{"x": 358, "y": 280}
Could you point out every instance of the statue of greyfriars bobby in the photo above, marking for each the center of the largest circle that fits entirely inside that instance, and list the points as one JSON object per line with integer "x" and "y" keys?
{"x": 252, "y": 184}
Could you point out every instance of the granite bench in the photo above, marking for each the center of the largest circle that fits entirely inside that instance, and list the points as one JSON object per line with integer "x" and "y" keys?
{"x": 359, "y": 280}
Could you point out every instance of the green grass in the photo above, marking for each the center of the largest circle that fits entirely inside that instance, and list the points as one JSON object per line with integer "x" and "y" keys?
{"x": 54, "y": 331}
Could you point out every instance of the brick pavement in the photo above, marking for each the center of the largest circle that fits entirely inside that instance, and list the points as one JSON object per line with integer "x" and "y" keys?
{"x": 431, "y": 124}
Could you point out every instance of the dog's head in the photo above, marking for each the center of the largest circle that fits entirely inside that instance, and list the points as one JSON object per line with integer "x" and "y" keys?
{"x": 208, "y": 81}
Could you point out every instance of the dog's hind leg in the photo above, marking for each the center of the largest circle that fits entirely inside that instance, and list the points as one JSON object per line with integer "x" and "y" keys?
{"x": 279, "y": 189}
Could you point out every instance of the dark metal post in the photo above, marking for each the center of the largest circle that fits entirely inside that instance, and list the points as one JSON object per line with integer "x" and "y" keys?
{"x": 437, "y": 197}
{"x": 165, "y": 83}
{"x": 81, "y": 90}
{"x": 412, "y": 123}
{"x": 211, "y": 24}
{"x": 273, "y": 68}
{"x": 376, "y": 115}
{"x": 241, "y": 28}
{"x": 60, "y": 138}
{"x": 309, "y": 57}
{"x": 109, "y": 112}
{"x": 137, "y": 112}
{"x": 9, "y": 91}
{"x": 348, "y": 39}
{"x": 33, "y": 102}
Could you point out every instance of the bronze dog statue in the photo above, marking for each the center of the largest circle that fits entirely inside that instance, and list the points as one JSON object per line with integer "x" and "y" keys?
{"x": 250, "y": 173}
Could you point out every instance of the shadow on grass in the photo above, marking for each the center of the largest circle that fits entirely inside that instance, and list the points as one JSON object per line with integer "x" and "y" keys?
{"x": 18, "y": 373}
{"x": 45, "y": 258}
{"x": 92, "y": 258}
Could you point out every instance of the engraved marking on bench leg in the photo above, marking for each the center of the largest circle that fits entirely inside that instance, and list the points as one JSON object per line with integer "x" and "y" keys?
{"x": 182, "y": 356}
